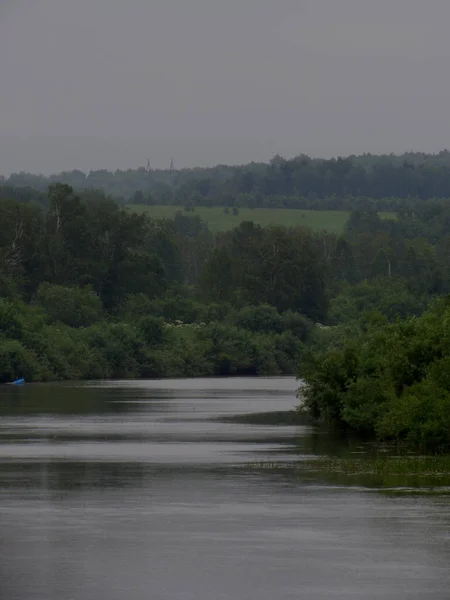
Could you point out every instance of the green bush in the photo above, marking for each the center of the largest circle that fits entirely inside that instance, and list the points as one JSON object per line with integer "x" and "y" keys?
{"x": 17, "y": 362}
{"x": 392, "y": 380}
{"x": 391, "y": 297}
{"x": 260, "y": 319}
{"x": 73, "y": 306}
{"x": 11, "y": 325}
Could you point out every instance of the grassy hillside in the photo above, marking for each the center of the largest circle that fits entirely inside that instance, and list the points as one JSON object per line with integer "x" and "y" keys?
{"x": 217, "y": 220}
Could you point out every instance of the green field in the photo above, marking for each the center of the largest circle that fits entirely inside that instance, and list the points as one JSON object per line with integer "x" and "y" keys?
{"x": 217, "y": 220}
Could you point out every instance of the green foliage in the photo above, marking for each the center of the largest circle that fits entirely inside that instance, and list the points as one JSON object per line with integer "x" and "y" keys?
{"x": 144, "y": 345}
{"x": 389, "y": 296}
{"x": 260, "y": 319}
{"x": 134, "y": 306}
{"x": 297, "y": 324}
{"x": 73, "y": 306}
{"x": 151, "y": 330}
{"x": 16, "y": 361}
{"x": 275, "y": 266}
{"x": 8, "y": 287}
{"x": 391, "y": 380}
{"x": 301, "y": 182}
{"x": 10, "y": 321}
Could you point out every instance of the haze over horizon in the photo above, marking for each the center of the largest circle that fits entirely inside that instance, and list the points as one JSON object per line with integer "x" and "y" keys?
{"x": 108, "y": 83}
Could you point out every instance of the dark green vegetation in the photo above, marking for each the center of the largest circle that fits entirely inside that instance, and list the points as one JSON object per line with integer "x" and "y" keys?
{"x": 375, "y": 374}
{"x": 91, "y": 289}
{"x": 290, "y": 417}
{"x": 383, "y": 182}
{"x": 405, "y": 474}
{"x": 398, "y": 465}
{"x": 390, "y": 379}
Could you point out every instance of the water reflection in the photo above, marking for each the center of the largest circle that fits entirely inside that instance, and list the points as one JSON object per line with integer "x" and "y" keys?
{"x": 138, "y": 490}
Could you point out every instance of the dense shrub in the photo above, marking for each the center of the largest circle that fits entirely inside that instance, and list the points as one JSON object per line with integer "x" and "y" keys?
{"x": 260, "y": 319}
{"x": 73, "y": 306}
{"x": 391, "y": 380}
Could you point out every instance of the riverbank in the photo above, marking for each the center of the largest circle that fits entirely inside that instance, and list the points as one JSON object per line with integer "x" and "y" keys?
{"x": 396, "y": 473}
{"x": 356, "y": 460}
{"x": 252, "y": 341}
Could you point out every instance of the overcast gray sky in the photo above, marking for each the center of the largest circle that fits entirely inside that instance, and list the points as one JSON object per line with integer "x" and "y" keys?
{"x": 107, "y": 83}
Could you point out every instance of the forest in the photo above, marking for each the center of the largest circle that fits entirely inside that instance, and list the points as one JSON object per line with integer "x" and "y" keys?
{"x": 90, "y": 289}
{"x": 385, "y": 182}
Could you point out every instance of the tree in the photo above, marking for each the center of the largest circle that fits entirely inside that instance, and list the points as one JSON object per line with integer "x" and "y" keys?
{"x": 73, "y": 306}
{"x": 65, "y": 230}
{"x": 217, "y": 281}
{"x": 263, "y": 318}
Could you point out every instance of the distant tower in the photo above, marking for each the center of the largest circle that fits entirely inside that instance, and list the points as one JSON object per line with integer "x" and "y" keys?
{"x": 172, "y": 175}
{"x": 148, "y": 165}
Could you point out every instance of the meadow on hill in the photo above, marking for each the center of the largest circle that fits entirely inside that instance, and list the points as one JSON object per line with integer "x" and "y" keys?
{"x": 218, "y": 220}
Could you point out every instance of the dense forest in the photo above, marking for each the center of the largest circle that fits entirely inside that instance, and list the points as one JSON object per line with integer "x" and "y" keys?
{"x": 90, "y": 289}
{"x": 383, "y": 182}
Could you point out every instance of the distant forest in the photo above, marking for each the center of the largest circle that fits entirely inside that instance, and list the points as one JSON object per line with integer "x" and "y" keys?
{"x": 383, "y": 182}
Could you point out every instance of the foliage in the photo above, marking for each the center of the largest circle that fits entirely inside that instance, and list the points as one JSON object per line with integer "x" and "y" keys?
{"x": 391, "y": 297}
{"x": 259, "y": 319}
{"x": 275, "y": 266}
{"x": 37, "y": 343}
{"x": 391, "y": 380}
{"x": 301, "y": 182}
{"x": 73, "y": 306}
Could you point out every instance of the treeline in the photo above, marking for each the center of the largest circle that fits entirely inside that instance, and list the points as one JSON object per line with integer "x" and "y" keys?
{"x": 90, "y": 290}
{"x": 385, "y": 182}
{"x": 65, "y": 334}
{"x": 92, "y": 241}
{"x": 89, "y": 240}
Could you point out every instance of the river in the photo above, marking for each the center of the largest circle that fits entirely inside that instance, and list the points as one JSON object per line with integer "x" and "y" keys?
{"x": 138, "y": 491}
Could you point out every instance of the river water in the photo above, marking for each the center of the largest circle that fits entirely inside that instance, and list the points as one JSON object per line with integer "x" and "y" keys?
{"x": 137, "y": 491}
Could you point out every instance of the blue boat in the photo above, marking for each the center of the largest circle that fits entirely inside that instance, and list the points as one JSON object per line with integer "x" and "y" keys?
{"x": 18, "y": 382}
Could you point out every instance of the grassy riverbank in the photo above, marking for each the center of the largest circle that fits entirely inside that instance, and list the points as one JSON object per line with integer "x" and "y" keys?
{"x": 397, "y": 465}
{"x": 399, "y": 474}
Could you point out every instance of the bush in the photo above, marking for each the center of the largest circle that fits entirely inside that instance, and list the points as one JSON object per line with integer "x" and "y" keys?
{"x": 10, "y": 322}
{"x": 17, "y": 362}
{"x": 391, "y": 297}
{"x": 151, "y": 330}
{"x": 134, "y": 307}
{"x": 392, "y": 380}
{"x": 260, "y": 319}
{"x": 73, "y": 306}
{"x": 299, "y": 325}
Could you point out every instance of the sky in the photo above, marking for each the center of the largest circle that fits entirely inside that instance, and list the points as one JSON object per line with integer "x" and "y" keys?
{"x": 93, "y": 84}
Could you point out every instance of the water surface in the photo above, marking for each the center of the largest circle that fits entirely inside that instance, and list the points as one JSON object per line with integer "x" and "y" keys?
{"x": 137, "y": 490}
